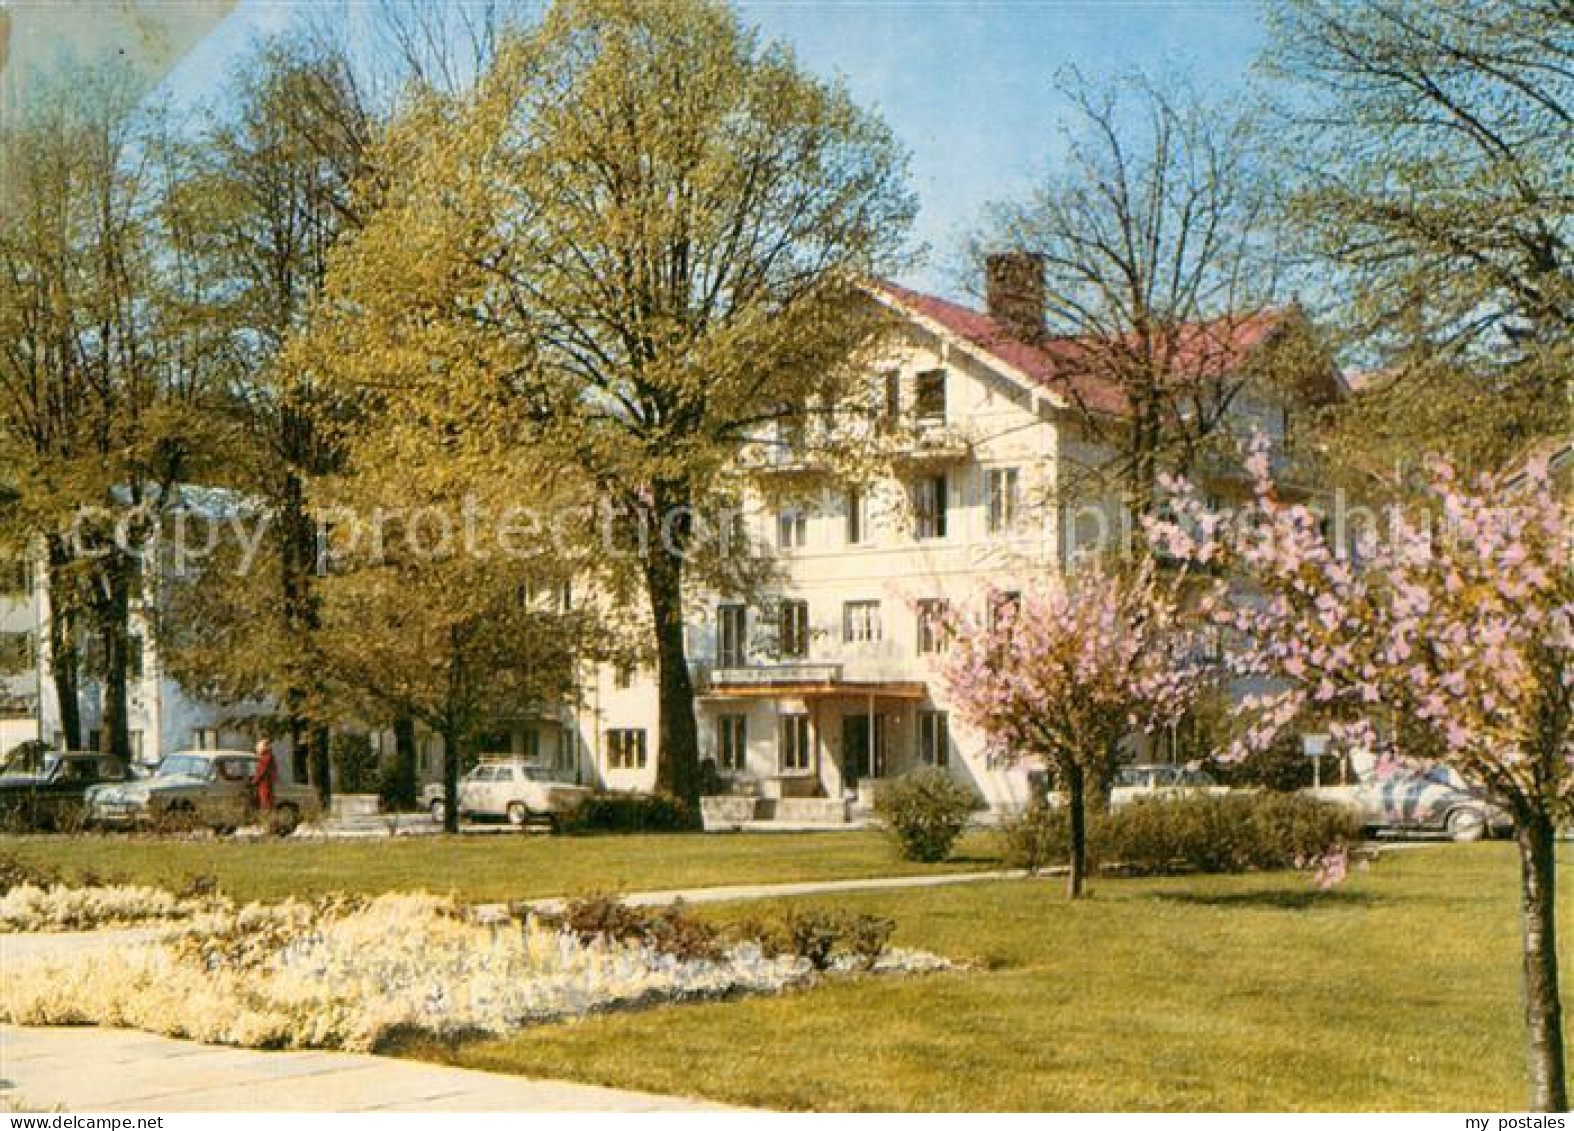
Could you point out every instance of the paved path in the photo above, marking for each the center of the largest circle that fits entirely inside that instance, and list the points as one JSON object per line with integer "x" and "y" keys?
{"x": 772, "y": 891}
{"x": 115, "y": 1070}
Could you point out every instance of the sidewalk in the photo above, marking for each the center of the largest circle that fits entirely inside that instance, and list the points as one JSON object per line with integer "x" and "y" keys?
{"x": 118, "y": 1070}
{"x": 738, "y": 892}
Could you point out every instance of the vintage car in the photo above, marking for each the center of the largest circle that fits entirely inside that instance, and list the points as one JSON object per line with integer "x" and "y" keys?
{"x": 50, "y": 792}
{"x": 209, "y": 788}
{"x": 1435, "y": 800}
{"x": 508, "y": 788}
{"x": 1141, "y": 782}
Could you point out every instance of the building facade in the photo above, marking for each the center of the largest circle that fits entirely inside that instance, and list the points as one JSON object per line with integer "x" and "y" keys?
{"x": 20, "y": 682}
{"x": 829, "y": 684}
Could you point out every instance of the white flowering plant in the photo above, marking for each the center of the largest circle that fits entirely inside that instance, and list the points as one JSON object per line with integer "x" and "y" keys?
{"x": 350, "y": 973}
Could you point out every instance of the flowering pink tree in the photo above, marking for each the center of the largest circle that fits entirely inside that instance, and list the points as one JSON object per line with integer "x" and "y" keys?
{"x": 1068, "y": 670}
{"x": 1458, "y": 623}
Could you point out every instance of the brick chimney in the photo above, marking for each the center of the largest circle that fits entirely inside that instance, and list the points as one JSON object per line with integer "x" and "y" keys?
{"x": 1014, "y": 292}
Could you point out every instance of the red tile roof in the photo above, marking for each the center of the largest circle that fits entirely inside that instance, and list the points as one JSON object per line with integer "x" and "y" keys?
{"x": 1068, "y": 366}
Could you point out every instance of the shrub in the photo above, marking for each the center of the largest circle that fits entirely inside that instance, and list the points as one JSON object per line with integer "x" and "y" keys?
{"x": 15, "y": 873}
{"x": 820, "y": 937}
{"x": 1229, "y": 833}
{"x": 354, "y": 763}
{"x": 669, "y": 930}
{"x": 628, "y": 813}
{"x": 868, "y": 936}
{"x": 1037, "y": 837}
{"x": 813, "y": 935}
{"x": 925, "y": 811}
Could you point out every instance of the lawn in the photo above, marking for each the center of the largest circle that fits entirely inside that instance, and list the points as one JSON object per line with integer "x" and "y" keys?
{"x": 484, "y": 868}
{"x": 1399, "y": 990}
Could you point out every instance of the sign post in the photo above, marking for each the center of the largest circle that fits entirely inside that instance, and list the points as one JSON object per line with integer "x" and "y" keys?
{"x": 1314, "y": 746}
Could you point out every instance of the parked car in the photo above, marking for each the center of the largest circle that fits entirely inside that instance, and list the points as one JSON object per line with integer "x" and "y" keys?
{"x": 51, "y": 792}
{"x": 209, "y": 788}
{"x": 1436, "y": 800}
{"x": 1140, "y": 782}
{"x": 513, "y": 789}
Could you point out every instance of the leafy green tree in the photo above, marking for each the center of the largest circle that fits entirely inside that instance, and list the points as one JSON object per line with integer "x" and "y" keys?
{"x": 107, "y": 351}
{"x": 653, "y": 231}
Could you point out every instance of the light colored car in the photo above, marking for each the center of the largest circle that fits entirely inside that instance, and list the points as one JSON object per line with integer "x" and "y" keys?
{"x": 1149, "y": 782}
{"x": 512, "y": 789}
{"x": 209, "y": 788}
{"x": 1142, "y": 782}
{"x": 1436, "y": 800}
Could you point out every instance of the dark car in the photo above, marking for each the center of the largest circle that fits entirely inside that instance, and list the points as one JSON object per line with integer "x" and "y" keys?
{"x": 50, "y": 795}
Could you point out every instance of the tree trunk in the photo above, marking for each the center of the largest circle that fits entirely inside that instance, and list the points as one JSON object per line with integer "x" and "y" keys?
{"x": 114, "y": 630}
{"x": 678, "y": 747}
{"x": 64, "y": 663}
{"x": 297, "y": 566}
{"x": 1076, "y": 798}
{"x": 403, "y": 791}
{"x": 300, "y": 756}
{"x": 322, "y": 765}
{"x": 1543, "y": 1006}
{"x": 453, "y": 762}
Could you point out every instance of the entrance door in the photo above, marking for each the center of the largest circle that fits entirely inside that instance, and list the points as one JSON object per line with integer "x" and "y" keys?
{"x": 863, "y": 751}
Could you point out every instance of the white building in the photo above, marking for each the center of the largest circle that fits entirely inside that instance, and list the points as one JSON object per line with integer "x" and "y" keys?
{"x": 19, "y": 667}
{"x": 828, "y": 685}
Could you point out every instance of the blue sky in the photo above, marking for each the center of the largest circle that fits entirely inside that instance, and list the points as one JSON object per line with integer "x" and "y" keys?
{"x": 964, "y": 83}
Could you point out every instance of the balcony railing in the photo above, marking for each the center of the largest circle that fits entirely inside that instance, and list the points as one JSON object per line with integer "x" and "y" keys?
{"x": 932, "y": 440}
{"x": 770, "y": 675}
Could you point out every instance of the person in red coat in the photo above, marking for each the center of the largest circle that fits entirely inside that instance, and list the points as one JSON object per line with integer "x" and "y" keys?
{"x": 266, "y": 774}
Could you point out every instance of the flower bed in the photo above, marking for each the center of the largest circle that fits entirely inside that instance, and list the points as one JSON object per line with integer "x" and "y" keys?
{"x": 349, "y": 973}
{"x": 28, "y": 907}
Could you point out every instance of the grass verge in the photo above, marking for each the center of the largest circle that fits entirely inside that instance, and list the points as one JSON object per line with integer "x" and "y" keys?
{"x": 485, "y": 868}
{"x": 1398, "y": 990}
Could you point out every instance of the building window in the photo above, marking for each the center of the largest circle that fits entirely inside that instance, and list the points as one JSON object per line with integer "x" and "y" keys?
{"x": 622, "y": 675}
{"x": 929, "y": 507}
{"x": 530, "y": 743}
{"x": 204, "y": 738}
{"x": 793, "y": 754}
{"x": 626, "y": 748}
{"x": 931, "y": 625}
{"x": 1000, "y": 490}
{"x": 934, "y": 738}
{"x": 792, "y": 529}
{"x": 732, "y": 742}
{"x": 16, "y": 652}
{"x": 731, "y": 527}
{"x": 1004, "y": 607}
{"x": 134, "y": 658}
{"x": 931, "y": 397}
{"x": 429, "y": 756}
{"x": 861, "y": 622}
{"x": 13, "y": 577}
{"x": 893, "y": 396}
{"x": 855, "y": 517}
{"x": 794, "y": 629}
{"x": 732, "y": 622}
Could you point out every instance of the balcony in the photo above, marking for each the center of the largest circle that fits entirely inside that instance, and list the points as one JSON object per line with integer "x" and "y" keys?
{"x": 796, "y": 674}
{"x": 933, "y": 442}
{"x": 804, "y": 679}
